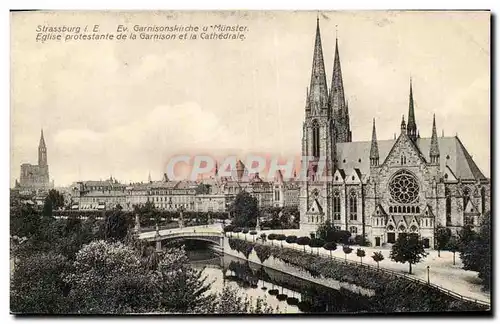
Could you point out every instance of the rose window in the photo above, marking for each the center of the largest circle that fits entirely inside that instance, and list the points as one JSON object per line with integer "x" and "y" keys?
{"x": 403, "y": 187}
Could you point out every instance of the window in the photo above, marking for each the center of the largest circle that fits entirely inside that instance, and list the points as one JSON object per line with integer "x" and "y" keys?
{"x": 336, "y": 205}
{"x": 413, "y": 229}
{"x": 337, "y": 228}
{"x": 353, "y": 229}
{"x": 403, "y": 187}
{"x": 402, "y": 228}
{"x": 448, "y": 205}
{"x": 390, "y": 228}
{"x": 403, "y": 159}
{"x": 315, "y": 131}
{"x": 353, "y": 206}
{"x": 390, "y": 209}
{"x": 466, "y": 195}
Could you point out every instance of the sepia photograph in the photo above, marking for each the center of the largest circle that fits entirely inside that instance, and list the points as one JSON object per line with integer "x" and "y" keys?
{"x": 250, "y": 162}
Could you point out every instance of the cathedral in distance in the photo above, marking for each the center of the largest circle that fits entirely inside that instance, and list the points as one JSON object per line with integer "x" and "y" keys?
{"x": 36, "y": 177}
{"x": 382, "y": 188}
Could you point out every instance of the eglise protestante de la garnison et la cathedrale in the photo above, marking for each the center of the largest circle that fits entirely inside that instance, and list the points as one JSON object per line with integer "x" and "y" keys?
{"x": 381, "y": 188}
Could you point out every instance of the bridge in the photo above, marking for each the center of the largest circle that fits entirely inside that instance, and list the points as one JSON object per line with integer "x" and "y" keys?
{"x": 207, "y": 233}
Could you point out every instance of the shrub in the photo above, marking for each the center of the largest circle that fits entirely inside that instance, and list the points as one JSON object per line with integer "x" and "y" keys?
{"x": 303, "y": 240}
{"x": 291, "y": 239}
{"x": 330, "y": 246}
{"x": 245, "y": 230}
{"x": 237, "y": 229}
{"x": 228, "y": 228}
{"x": 253, "y": 233}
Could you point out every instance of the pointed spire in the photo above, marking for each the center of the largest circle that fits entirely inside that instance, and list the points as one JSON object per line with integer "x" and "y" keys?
{"x": 403, "y": 125}
{"x": 412, "y": 125}
{"x": 216, "y": 169}
{"x": 337, "y": 100}
{"x": 434, "y": 150}
{"x": 318, "y": 90}
{"x": 149, "y": 177}
{"x": 42, "y": 140}
{"x": 374, "y": 156}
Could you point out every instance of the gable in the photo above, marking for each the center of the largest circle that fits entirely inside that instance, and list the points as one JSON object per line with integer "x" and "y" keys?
{"x": 315, "y": 207}
{"x": 404, "y": 152}
{"x": 339, "y": 176}
{"x": 470, "y": 208}
{"x": 354, "y": 176}
{"x": 427, "y": 212}
{"x": 379, "y": 211}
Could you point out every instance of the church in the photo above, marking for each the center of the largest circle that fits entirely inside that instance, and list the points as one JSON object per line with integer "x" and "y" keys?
{"x": 381, "y": 188}
{"x": 36, "y": 177}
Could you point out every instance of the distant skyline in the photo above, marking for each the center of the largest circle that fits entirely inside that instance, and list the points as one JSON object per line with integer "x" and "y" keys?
{"x": 122, "y": 109}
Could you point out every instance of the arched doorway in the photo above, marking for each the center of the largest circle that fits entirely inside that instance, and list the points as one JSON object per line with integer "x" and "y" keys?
{"x": 391, "y": 235}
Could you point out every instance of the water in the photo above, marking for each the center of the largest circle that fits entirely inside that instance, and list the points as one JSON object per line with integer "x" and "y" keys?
{"x": 290, "y": 294}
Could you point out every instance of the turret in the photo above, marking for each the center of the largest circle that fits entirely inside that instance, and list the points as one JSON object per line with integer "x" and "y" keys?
{"x": 434, "y": 150}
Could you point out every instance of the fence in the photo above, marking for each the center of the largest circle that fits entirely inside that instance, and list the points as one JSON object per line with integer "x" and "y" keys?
{"x": 443, "y": 290}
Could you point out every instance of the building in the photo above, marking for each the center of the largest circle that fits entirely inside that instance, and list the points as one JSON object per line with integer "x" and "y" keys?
{"x": 286, "y": 193}
{"x": 98, "y": 195}
{"x": 382, "y": 188}
{"x": 36, "y": 177}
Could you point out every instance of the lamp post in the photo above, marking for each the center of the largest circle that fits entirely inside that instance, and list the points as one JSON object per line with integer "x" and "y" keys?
{"x": 428, "y": 278}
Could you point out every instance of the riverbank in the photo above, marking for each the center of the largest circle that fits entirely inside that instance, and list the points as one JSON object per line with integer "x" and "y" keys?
{"x": 390, "y": 289}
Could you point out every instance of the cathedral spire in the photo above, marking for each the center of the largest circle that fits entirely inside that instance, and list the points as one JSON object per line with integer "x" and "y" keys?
{"x": 412, "y": 125}
{"x": 337, "y": 99}
{"x": 318, "y": 90}
{"x": 42, "y": 140}
{"x": 42, "y": 151}
{"x": 374, "y": 156}
{"x": 434, "y": 150}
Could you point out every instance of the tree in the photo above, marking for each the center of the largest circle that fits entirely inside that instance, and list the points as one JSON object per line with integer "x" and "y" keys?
{"x": 230, "y": 302}
{"x": 330, "y": 246}
{"x": 377, "y": 257}
{"x": 281, "y": 238}
{"x": 347, "y": 250}
{"x": 108, "y": 279}
{"x": 56, "y": 198}
{"x": 271, "y": 237}
{"x": 116, "y": 226}
{"x": 326, "y": 231}
{"x": 361, "y": 254}
{"x": 24, "y": 221}
{"x": 466, "y": 236}
{"x": 37, "y": 285}
{"x": 476, "y": 256}
{"x": 253, "y": 233}
{"x": 244, "y": 210}
{"x": 316, "y": 243}
{"x": 303, "y": 240}
{"x": 47, "y": 207}
{"x": 245, "y": 231}
{"x": 453, "y": 246}
{"x": 408, "y": 248}
{"x": 183, "y": 289}
{"x": 263, "y": 237}
{"x": 442, "y": 236}
{"x": 291, "y": 239}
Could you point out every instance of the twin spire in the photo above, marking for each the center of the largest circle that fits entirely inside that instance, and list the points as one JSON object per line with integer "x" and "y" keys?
{"x": 411, "y": 129}
{"x": 331, "y": 103}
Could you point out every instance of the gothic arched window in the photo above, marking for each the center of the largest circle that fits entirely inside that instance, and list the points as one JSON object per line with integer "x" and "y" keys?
{"x": 315, "y": 139}
{"x": 353, "y": 206}
{"x": 466, "y": 195}
{"x": 448, "y": 205}
{"x": 336, "y": 205}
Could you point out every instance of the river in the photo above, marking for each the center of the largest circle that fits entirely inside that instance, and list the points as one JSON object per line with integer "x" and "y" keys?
{"x": 279, "y": 290}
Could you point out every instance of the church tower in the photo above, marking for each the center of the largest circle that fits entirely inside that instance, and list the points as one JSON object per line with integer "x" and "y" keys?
{"x": 42, "y": 152}
{"x": 338, "y": 103}
{"x": 318, "y": 142}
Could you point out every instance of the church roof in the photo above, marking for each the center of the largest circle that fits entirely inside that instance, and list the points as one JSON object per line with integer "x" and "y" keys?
{"x": 352, "y": 155}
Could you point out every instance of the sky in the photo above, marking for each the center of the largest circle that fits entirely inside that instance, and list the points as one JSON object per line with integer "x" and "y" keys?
{"x": 123, "y": 108}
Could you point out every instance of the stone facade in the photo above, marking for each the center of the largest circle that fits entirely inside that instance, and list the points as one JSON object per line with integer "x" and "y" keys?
{"x": 36, "y": 177}
{"x": 381, "y": 188}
